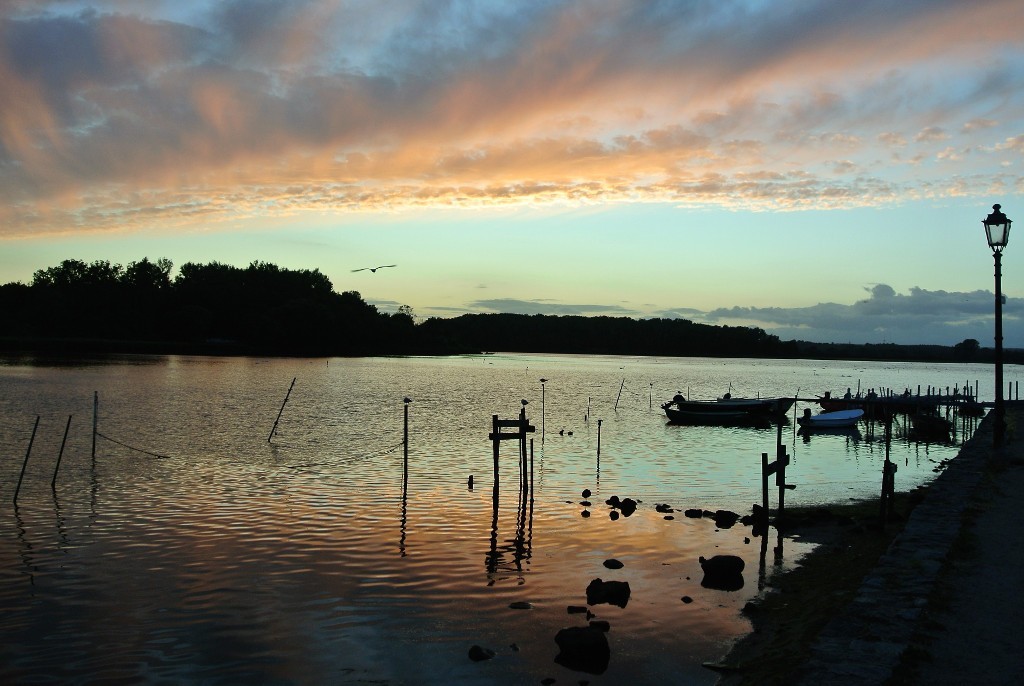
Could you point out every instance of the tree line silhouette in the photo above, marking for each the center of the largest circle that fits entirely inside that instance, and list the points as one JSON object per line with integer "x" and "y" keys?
{"x": 215, "y": 308}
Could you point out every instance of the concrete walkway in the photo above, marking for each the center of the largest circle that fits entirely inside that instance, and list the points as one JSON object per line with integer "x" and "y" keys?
{"x": 919, "y": 620}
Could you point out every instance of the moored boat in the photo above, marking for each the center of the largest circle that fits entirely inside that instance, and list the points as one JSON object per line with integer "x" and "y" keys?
{"x": 724, "y": 409}
{"x": 830, "y": 420}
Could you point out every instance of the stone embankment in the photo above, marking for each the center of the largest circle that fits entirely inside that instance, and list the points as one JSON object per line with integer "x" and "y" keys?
{"x": 928, "y": 614}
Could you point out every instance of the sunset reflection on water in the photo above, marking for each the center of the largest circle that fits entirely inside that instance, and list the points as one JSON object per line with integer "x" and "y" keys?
{"x": 310, "y": 559}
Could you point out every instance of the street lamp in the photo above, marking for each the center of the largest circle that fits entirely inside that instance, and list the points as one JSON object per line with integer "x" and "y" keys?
{"x": 997, "y": 231}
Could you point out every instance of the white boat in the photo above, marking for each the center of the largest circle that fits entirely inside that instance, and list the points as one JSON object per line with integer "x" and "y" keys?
{"x": 830, "y": 420}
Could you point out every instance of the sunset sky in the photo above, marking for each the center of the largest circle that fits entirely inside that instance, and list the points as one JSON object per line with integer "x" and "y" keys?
{"x": 816, "y": 168}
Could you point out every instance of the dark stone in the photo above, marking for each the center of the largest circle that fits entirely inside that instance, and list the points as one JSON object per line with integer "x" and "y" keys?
{"x": 687, "y": 599}
{"x": 613, "y": 515}
{"x": 585, "y": 513}
{"x": 694, "y": 513}
{"x": 583, "y": 649}
{"x": 669, "y": 517}
{"x": 627, "y": 506}
{"x": 724, "y": 519}
{"x": 613, "y": 501}
{"x": 585, "y": 503}
{"x": 611, "y": 592}
{"x": 612, "y": 563}
{"x": 521, "y": 605}
{"x": 722, "y": 572}
{"x": 577, "y": 609}
{"x": 601, "y": 625}
{"x": 663, "y": 508}
{"x": 477, "y": 654}
{"x": 586, "y": 493}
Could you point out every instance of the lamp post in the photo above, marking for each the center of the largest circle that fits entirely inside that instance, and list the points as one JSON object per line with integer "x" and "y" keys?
{"x": 997, "y": 231}
{"x": 542, "y": 382}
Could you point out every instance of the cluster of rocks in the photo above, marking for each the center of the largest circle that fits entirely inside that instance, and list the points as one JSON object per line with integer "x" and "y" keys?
{"x": 619, "y": 507}
{"x": 586, "y": 648}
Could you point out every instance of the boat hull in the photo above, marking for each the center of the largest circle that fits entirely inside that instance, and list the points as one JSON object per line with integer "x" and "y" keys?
{"x": 716, "y": 417}
{"x": 727, "y": 410}
{"x": 831, "y": 420}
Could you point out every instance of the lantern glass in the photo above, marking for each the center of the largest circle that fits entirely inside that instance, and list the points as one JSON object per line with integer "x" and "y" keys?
{"x": 998, "y": 234}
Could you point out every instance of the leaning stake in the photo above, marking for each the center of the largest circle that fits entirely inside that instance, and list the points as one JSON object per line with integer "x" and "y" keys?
{"x": 25, "y": 463}
{"x": 53, "y": 483}
{"x": 281, "y": 410}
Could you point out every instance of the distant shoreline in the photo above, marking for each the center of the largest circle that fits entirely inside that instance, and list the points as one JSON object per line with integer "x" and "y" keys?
{"x": 69, "y": 347}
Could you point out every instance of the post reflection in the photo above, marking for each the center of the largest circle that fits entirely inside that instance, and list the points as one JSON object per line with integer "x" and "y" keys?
{"x": 25, "y": 550}
{"x": 508, "y": 558}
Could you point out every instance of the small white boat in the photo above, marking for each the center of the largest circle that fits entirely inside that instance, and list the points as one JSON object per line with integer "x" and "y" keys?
{"x": 830, "y": 420}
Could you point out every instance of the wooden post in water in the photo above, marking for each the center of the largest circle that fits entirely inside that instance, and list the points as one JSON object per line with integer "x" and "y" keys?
{"x": 524, "y": 464}
{"x": 778, "y": 468}
{"x": 888, "y": 475}
{"x": 405, "y": 443}
{"x": 524, "y": 427}
{"x": 95, "y": 421}
{"x": 494, "y": 437}
{"x": 764, "y": 490}
{"x": 620, "y": 394}
{"x": 599, "y": 439}
{"x": 780, "y": 479}
{"x": 281, "y": 411}
{"x": 25, "y": 463}
{"x": 542, "y": 430}
{"x": 531, "y": 470}
{"x": 53, "y": 482}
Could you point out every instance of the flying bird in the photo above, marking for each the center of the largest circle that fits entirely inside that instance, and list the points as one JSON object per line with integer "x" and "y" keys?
{"x": 373, "y": 269}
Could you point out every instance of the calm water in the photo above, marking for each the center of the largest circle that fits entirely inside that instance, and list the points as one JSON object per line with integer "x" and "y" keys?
{"x": 222, "y": 558}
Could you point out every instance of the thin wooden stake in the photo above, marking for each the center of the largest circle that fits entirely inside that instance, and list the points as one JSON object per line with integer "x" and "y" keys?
{"x": 53, "y": 482}
{"x": 95, "y": 420}
{"x": 405, "y": 448}
{"x": 620, "y": 394}
{"x": 531, "y": 470}
{"x": 281, "y": 411}
{"x": 25, "y": 463}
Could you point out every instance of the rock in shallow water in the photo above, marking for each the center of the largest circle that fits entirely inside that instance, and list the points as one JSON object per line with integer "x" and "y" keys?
{"x": 477, "y": 654}
{"x": 611, "y": 592}
{"x": 722, "y": 572}
{"x": 583, "y": 649}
